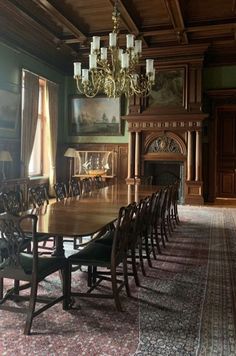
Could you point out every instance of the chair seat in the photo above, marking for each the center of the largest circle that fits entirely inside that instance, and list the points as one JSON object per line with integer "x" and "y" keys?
{"x": 45, "y": 264}
{"x": 93, "y": 254}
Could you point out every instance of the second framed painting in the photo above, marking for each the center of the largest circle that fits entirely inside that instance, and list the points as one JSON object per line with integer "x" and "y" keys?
{"x": 99, "y": 116}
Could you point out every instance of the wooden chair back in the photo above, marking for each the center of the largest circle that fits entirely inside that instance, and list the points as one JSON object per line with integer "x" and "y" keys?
{"x": 38, "y": 196}
{"x": 14, "y": 241}
{"x": 60, "y": 191}
{"x": 74, "y": 188}
{"x": 122, "y": 234}
{"x": 13, "y": 202}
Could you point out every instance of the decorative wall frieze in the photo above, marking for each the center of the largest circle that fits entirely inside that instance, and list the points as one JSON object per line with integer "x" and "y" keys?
{"x": 150, "y": 125}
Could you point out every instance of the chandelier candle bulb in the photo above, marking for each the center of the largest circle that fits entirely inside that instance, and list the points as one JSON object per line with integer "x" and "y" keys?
{"x": 138, "y": 46}
{"x": 77, "y": 69}
{"x": 112, "y": 39}
{"x": 149, "y": 65}
{"x": 153, "y": 75}
{"x": 96, "y": 43}
{"x": 124, "y": 60}
{"x": 85, "y": 74}
{"x": 120, "y": 52}
{"x": 104, "y": 53}
{"x": 129, "y": 41}
{"x": 92, "y": 61}
{"x": 91, "y": 48}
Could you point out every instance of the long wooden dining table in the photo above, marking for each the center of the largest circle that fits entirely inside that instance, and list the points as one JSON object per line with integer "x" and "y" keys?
{"x": 87, "y": 214}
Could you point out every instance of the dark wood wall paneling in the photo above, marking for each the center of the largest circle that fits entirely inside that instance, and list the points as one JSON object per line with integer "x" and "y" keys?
{"x": 221, "y": 144}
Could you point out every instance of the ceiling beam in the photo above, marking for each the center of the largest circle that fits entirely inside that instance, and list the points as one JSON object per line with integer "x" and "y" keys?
{"x": 51, "y": 10}
{"x": 208, "y": 28}
{"x": 177, "y": 21}
{"x": 17, "y": 13}
{"x": 234, "y": 7}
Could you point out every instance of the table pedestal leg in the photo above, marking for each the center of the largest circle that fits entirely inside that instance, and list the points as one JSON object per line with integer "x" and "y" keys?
{"x": 59, "y": 249}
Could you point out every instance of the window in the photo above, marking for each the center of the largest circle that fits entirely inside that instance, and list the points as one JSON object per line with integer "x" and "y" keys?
{"x": 39, "y": 160}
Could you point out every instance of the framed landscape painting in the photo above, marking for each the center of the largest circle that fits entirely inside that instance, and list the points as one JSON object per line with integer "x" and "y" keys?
{"x": 169, "y": 88}
{"x": 9, "y": 110}
{"x": 99, "y": 116}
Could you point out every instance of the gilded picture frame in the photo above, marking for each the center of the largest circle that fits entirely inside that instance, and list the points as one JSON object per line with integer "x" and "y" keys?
{"x": 98, "y": 116}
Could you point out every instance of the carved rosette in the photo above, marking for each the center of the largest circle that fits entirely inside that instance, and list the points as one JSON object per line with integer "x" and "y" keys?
{"x": 164, "y": 144}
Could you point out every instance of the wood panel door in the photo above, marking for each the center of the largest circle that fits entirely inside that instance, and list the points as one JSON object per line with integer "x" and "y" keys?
{"x": 226, "y": 152}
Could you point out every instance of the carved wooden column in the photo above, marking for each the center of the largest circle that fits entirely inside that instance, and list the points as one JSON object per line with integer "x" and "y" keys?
{"x": 194, "y": 194}
{"x": 198, "y": 173}
{"x": 129, "y": 155}
{"x": 131, "y": 158}
{"x": 190, "y": 157}
{"x": 137, "y": 157}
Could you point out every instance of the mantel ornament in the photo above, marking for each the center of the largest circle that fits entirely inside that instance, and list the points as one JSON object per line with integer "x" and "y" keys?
{"x": 164, "y": 144}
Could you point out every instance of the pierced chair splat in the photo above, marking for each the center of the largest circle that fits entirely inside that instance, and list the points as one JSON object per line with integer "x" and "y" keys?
{"x": 38, "y": 196}
{"x": 13, "y": 202}
{"x": 74, "y": 188}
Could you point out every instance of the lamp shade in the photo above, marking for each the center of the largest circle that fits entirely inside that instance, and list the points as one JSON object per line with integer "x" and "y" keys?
{"x": 5, "y": 156}
{"x": 70, "y": 152}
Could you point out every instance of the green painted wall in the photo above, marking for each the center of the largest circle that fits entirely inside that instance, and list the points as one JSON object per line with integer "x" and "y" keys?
{"x": 72, "y": 90}
{"x": 11, "y": 64}
{"x": 219, "y": 77}
{"x": 12, "y": 61}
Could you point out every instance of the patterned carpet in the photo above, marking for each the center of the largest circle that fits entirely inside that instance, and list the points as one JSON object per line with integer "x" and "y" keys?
{"x": 185, "y": 305}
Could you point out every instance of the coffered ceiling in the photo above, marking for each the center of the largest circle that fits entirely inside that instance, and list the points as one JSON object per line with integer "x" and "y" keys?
{"x": 60, "y": 31}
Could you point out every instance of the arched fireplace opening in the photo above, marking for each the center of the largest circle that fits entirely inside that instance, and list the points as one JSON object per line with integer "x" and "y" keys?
{"x": 166, "y": 173}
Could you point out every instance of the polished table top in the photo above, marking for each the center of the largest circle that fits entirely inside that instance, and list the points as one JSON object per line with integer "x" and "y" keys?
{"x": 88, "y": 214}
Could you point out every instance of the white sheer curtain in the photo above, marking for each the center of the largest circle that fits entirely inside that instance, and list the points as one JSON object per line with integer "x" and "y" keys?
{"x": 30, "y": 102}
{"x": 52, "y": 120}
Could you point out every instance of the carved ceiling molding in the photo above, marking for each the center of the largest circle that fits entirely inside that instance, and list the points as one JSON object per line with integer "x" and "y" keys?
{"x": 168, "y": 142}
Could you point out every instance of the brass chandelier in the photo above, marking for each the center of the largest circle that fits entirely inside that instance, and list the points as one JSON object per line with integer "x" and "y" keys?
{"x": 112, "y": 70}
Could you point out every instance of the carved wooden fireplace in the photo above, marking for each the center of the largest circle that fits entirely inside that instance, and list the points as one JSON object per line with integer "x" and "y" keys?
{"x": 165, "y": 138}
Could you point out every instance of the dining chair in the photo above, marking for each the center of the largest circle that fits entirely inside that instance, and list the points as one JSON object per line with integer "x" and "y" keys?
{"x": 149, "y": 240}
{"x": 13, "y": 202}
{"x": 98, "y": 181}
{"x": 174, "y": 204}
{"x": 60, "y": 191}
{"x": 103, "y": 259}
{"x": 87, "y": 185}
{"x": 136, "y": 222}
{"x": 61, "y": 194}
{"x": 74, "y": 188}
{"x": 38, "y": 196}
{"x": 27, "y": 267}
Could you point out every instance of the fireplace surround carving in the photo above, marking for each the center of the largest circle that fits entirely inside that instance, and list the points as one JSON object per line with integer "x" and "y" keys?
{"x": 171, "y": 133}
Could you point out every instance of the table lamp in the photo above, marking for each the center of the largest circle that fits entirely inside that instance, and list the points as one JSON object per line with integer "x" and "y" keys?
{"x": 5, "y": 156}
{"x": 70, "y": 153}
